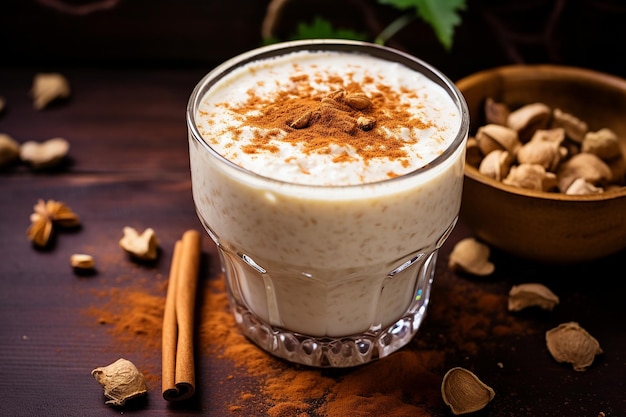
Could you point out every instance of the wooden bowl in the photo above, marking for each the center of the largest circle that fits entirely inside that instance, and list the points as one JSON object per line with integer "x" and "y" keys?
{"x": 546, "y": 226}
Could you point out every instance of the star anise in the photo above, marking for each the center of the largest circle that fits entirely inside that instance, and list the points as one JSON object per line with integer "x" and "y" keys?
{"x": 46, "y": 215}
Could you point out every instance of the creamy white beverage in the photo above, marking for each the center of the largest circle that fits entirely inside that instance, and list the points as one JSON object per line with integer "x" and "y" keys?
{"x": 328, "y": 179}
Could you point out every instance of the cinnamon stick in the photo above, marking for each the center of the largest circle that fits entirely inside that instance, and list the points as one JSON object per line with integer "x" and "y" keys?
{"x": 178, "y": 364}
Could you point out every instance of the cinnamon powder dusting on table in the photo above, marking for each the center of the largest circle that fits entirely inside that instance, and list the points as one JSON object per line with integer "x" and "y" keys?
{"x": 407, "y": 383}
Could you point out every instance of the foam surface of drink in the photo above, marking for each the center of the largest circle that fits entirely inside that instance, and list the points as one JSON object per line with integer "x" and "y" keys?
{"x": 246, "y": 119}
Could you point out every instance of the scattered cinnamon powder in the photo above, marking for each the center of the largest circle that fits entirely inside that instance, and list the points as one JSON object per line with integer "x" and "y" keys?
{"x": 134, "y": 318}
{"x": 332, "y": 119}
{"x": 407, "y": 383}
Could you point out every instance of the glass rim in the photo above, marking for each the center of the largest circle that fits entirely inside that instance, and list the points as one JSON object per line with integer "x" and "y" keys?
{"x": 338, "y": 45}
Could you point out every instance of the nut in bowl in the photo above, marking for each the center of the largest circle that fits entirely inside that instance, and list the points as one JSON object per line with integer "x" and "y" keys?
{"x": 545, "y": 178}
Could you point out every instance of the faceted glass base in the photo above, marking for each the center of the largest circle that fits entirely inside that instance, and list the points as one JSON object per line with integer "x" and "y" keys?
{"x": 339, "y": 352}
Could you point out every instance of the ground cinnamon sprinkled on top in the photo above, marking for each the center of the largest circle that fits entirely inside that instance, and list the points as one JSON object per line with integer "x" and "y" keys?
{"x": 329, "y": 119}
{"x": 332, "y": 120}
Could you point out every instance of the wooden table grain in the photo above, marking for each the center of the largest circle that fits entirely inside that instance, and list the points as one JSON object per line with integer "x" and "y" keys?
{"x": 128, "y": 165}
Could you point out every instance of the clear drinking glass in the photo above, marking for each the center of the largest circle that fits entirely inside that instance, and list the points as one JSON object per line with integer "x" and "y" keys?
{"x": 327, "y": 276}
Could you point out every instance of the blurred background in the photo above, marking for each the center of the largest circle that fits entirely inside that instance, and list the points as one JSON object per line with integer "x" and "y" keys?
{"x": 52, "y": 34}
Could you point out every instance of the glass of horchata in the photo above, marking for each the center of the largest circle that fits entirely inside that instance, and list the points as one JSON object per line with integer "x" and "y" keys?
{"x": 328, "y": 173}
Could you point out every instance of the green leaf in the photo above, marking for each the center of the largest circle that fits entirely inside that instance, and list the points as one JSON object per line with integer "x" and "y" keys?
{"x": 322, "y": 28}
{"x": 441, "y": 15}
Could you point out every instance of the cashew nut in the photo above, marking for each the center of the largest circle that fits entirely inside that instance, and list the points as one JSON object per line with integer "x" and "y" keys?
{"x": 48, "y": 87}
{"x": 46, "y": 154}
{"x": 142, "y": 246}
{"x": 472, "y": 257}
{"x": 82, "y": 261}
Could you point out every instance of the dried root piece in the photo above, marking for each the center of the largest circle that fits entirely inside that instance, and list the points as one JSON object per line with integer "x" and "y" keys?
{"x": 46, "y": 215}
{"x": 570, "y": 343}
{"x": 618, "y": 172}
{"x": 583, "y": 165}
{"x": 48, "y": 87}
{"x": 529, "y": 118}
{"x": 495, "y": 112}
{"x": 531, "y": 295}
{"x": 603, "y": 143}
{"x": 575, "y": 129}
{"x": 581, "y": 187}
{"x": 142, "y": 246}
{"x": 473, "y": 154}
{"x": 544, "y": 149}
{"x": 82, "y": 262}
{"x": 531, "y": 177}
{"x": 9, "y": 150}
{"x": 472, "y": 257}
{"x": 493, "y": 137}
{"x": 496, "y": 165}
{"x": 46, "y": 154}
{"x": 121, "y": 381}
{"x": 464, "y": 392}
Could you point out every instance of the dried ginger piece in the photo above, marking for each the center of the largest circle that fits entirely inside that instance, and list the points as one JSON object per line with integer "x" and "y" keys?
{"x": 48, "y": 87}
{"x": 604, "y": 144}
{"x": 531, "y": 295}
{"x": 570, "y": 343}
{"x": 121, "y": 381}
{"x": 496, "y": 112}
{"x": 575, "y": 129}
{"x": 464, "y": 392}
{"x": 142, "y": 246}
{"x": 580, "y": 186}
{"x": 471, "y": 256}
{"x": 583, "y": 165}
{"x": 531, "y": 177}
{"x": 528, "y": 118}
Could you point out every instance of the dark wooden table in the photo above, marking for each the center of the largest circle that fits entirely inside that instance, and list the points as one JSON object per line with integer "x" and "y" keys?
{"x": 128, "y": 166}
